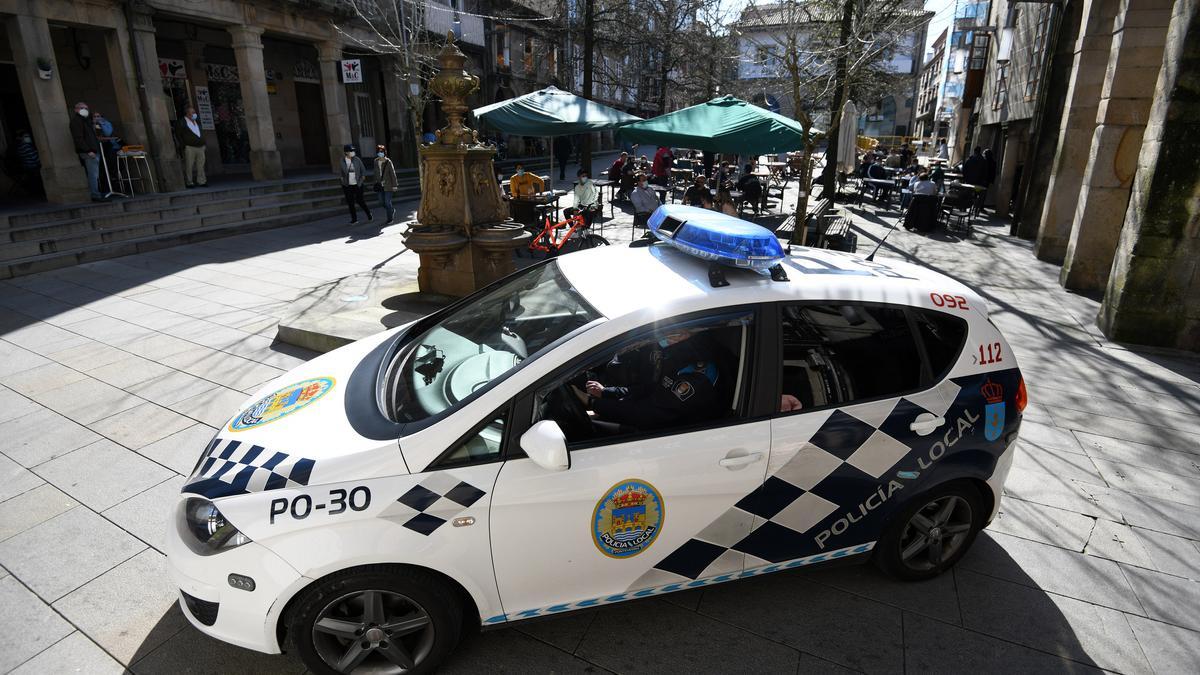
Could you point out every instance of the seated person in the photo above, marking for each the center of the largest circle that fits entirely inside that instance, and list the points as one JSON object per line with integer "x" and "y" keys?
{"x": 874, "y": 170}
{"x": 644, "y": 202}
{"x": 614, "y": 171}
{"x": 671, "y": 382}
{"x": 628, "y": 179}
{"x": 922, "y": 184}
{"x": 525, "y": 185}
{"x": 724, "y": 201}
{"x": 698, "y": 194}
{"x": 725, "y": 174}
{"x": 587, "y": 197}
{"x": 751, "y": 187}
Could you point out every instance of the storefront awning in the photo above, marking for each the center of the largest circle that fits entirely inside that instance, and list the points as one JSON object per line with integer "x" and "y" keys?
{"x": 550, "y": 112}
{"x": 726, "y": 124}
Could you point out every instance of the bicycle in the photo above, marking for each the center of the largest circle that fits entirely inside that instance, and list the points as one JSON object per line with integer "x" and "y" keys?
{"x": 576, "y": 237}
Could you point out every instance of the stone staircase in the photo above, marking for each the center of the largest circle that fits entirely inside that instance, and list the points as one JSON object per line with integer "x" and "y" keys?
{"x": 53, "y": 237}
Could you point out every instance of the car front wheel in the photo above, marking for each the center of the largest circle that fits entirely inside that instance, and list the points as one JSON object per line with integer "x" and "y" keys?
{"x": 932, "y": 533}
{"x": 378, "y": 620}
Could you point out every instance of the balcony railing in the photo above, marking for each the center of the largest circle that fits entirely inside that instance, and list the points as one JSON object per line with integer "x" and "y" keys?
{"x": 439, "y": 18}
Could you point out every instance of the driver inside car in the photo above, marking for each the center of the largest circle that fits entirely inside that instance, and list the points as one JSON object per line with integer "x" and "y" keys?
{"x": 667, "y": 383}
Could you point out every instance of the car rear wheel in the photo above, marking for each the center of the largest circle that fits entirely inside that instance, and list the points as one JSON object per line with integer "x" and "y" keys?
{"x": 379, "y": 621}
{"x": 932, "y": 533}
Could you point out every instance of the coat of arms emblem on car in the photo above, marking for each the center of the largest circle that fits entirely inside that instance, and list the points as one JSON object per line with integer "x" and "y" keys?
{"x": 282, "y": 403}
{"x": 627, "y": 519}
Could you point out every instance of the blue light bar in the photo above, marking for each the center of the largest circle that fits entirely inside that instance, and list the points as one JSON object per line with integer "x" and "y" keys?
{"x": 712, "y": 235}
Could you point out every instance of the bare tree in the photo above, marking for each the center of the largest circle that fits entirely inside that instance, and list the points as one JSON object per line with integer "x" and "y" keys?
{"x": 821, "y": 53}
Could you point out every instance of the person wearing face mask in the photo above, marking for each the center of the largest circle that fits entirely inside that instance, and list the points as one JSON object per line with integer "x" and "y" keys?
{"x": 385, "y": 180}
{"x": 644, "y": 202}
{"x": 587, "y": 197}
{"x": 27, "y": 154}
{"x": 87, "y": 146}
{"x": 524, "y": 185}
{"x": 191, "y": 138}
{"x": 353, "y": 175}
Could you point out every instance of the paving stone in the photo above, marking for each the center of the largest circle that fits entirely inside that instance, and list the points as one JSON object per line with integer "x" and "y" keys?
{"x": 72, "y": 654}
{"x": 42, "y": 378}
{"x": 44, "y": 338}
{"x": 91, "y": 355}
{"x": 1170, "y": 554}
{"x": 934, "y": 647}
{"x": 1127, "y": 430}
{"x": 509, "y": 651}
{"x": 1149, "y": 482}
{"x": 87, "y": 400}
{"x": 32, "y": 508}
{"x": 1058, "y": 527}
{"x": 1117, "y": 541}
{"x": 1153, "y": 514}
{"x": 131, "y": 608}
{"x": 27, "y": 625}
{"x": 1048, "y": 436}
{"x": 563, "y": 632}
{"x": 67, "y": 551}
{"x": 1139, "y": 454}
{"x": 684, "y": 642}
{"x": 1050, "y": 568}
{"x": 141, "y": 425}
{"x": 129, "y": 371}
{"x": 181, "y": 450}
{"x": 228, "y": 370}
{"x": 147, "y": 515}
{"x": 15, "y": 480}
{"x": 1051, "y": 623}
{"x": 190, "y": 652}
{"x": 1166, "y": 598}
{"x": 103, "y": 474}
{"x": 1169, "y": 649}
{"x": 213, "y": 407}
{"x": 1066, "y": 494}
{"x": 785, "y": 607}
{"x": 14, "y": 405}
{"x": 1056, "y": 462}
{"x": 41, "y": 436}
{"x": 156, "y": 347}
{"x": 171, "y": 388}
{"x": 936, "y": 597}
{"x": 109, "y": 330}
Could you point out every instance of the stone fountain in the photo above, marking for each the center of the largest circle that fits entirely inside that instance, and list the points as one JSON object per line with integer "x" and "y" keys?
{"x": 464, "y": 236}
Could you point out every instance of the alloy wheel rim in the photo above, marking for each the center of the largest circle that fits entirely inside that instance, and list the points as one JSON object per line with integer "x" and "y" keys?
{"x": 935, "y": 533}
{"x": 373, "y": 631}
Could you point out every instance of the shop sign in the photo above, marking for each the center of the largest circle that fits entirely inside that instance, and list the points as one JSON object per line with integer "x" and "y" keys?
{"x": 204, "y": 108}
{"x": 172, "y": 69}
{"x": 221, "y": 73}
{"x": 352, "y": 71}
{"x": 306, "y": 71}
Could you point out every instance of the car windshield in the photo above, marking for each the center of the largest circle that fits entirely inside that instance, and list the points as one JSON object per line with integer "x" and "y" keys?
{"x": 481, "y": 341}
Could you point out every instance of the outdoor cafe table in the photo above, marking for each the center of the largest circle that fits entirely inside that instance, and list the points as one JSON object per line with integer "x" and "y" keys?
{"x": 524, "y": 209}
{"x": 885, "y": 185}
{"x": 612, "y": 186}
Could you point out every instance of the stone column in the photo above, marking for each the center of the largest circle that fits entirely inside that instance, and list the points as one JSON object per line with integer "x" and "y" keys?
{"x": 125, "y": 84}
{"x": 333, "y": 92}
{"x": 1010, "y": 156}
{"x": 252, "y": 75}
{"x": 1075, "y": 129}
{"x": 1139, "y": 33}
{"x": 1153, "y": 293}
{"x": 395, "y": 94}
{"x": 167, "y": 166}
{"x": 49, "y": 114}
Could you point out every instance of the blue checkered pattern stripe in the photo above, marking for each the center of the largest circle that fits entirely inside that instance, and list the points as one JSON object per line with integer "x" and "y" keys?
{"x": 429, "y": 504}
{"x": 681, "y": 586}
{"x": 235, "y": 468}
{"x": 833, "y": 460}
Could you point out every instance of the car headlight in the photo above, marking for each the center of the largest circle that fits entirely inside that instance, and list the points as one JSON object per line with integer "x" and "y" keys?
{"x": 205, "y": 522}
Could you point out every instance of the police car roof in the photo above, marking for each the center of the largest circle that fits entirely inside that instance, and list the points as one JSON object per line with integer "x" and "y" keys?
{"x": 620, "y": 280}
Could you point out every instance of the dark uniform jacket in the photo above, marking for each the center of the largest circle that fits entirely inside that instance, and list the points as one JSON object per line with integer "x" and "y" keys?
{"x": 84, "y": 134}
{"x": 665, "y": 387}
{"x": 185, "y": 135}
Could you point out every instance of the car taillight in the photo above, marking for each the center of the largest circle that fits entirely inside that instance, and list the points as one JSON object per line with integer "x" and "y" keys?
{"x": 1022, "y": 397}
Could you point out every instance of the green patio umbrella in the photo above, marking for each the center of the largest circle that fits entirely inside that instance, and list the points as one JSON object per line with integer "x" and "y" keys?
{"x": 726, "y": 125}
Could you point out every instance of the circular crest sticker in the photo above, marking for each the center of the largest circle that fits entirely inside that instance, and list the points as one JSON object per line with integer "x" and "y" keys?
{"x": 627, "y": 519}
{"x": 282, "y": 403}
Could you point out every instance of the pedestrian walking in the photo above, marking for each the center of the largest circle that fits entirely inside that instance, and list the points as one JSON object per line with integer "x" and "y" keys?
{"x": 353, "y": 175}
{"x": 386, "y": 182}
{"x": 87, "y": 146}
{"x": 191, "y": 138}
{"x": 562, "y": 154}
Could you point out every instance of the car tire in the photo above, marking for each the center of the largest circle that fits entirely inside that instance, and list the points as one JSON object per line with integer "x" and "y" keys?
{"x": 375, "y": 620}
{"x": 931, "y": 533}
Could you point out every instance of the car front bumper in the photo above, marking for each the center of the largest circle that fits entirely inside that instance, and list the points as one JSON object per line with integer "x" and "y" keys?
{"x": 240, "y": 617}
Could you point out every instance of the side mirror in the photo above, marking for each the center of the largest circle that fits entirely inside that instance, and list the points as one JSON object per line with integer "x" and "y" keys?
{"x": 546, "y": 446}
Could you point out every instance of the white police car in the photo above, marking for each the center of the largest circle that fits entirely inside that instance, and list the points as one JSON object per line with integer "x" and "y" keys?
{"x": 370, "y": 504}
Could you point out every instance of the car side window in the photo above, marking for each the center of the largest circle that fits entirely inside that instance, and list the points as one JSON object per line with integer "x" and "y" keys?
{"x": 943, "y": 336}
{"x": 481, "y": 446}
{"x": 838, "y": 354}
{"x": 674, "y": 376}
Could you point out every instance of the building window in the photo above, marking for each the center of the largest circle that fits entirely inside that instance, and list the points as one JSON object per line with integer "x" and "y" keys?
{"x": 1037, "y": 53}
{"x": 528, "y": 54}
{"x": 979, "y": 51}
{"x": 1000, "y": 93}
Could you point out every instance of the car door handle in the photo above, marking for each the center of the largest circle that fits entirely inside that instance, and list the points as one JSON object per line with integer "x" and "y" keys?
{"x": 740, "y": 460}
{"x": 926, "y": 423}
